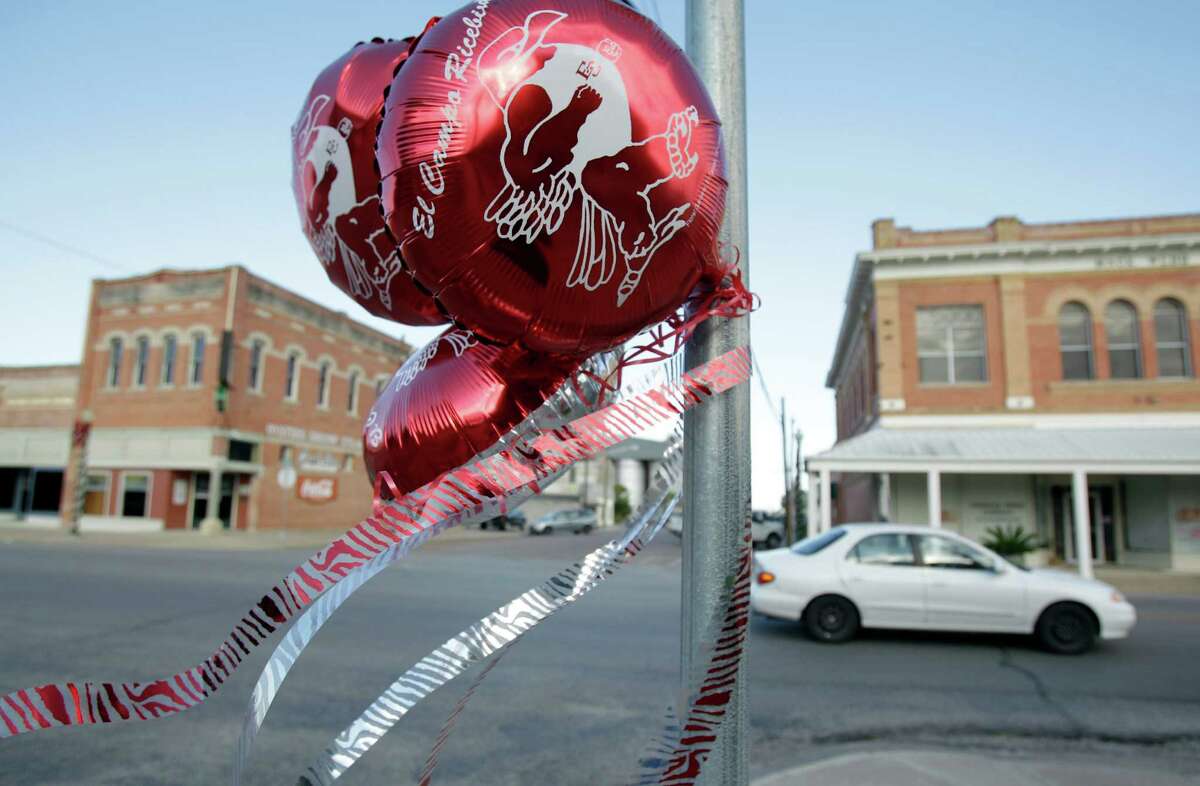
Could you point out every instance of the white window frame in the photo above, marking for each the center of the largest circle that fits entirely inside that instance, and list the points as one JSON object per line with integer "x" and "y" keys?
{"x": 116, "y": 358}
{"x": 257, "y": 365}
{"x": 166, "y": 374}
{"x": 107, "y": 490}
{"x": 141, "y": 363}
{"x": 1089, "y": 347}
{"x": 1136, "y": 345}
{"x": 950, "y": 354}
{"x": 324, "y": 380}
{"x": 149, "y": 492}
{"x": 195, "y": 374}
{"x": 1185, "y": 345}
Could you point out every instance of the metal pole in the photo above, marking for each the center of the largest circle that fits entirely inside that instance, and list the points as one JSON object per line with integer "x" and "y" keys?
{"x": 789, "y": 496}
{"x": 716, "y": 482}
{"x": 796, "y": 483}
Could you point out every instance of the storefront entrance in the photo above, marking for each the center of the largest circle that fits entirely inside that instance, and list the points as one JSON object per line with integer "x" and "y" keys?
{"x": 202, "y": 496}
{"x": 1104, "y": 528}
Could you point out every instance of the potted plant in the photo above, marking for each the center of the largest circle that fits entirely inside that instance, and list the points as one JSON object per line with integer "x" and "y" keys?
{"x": 1014, "y": 543}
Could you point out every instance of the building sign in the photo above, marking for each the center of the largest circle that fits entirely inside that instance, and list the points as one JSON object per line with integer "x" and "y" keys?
{"x": 1186, "y": 521}
{"x": 179, "y": 491}
{"x": 316, "y": 489}
{"x": 288, "y": 433}
{"x": 318, "y": 461}
{"x": 1138, "y": 261}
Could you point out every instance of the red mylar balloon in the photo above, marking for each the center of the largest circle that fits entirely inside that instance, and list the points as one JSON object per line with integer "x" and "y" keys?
{"x": 336, "y": 185}
{"x": 451, "y": 401}
{"x": 553, "y": 177}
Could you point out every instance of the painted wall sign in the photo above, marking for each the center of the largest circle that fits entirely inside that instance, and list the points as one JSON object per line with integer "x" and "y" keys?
{"x": 317, "y": 490}
{"x": 288, "y": 433}
{"x": 179, "y": 491}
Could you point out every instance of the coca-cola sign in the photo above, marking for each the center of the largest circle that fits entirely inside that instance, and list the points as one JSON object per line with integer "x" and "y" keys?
{"x": 316, "y": 489}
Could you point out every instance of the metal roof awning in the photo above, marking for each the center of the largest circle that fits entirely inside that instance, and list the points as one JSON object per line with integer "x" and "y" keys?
{"x": 1143, "y": 451}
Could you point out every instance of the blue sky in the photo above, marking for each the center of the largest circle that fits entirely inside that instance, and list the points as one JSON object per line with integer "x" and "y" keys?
{"x": 156, "y": 135}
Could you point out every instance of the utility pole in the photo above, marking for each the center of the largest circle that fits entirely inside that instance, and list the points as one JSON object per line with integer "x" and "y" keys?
{"x": 789, "y": 496}
{"x": 799, "y": 457}
{"x": 716, "y": 477}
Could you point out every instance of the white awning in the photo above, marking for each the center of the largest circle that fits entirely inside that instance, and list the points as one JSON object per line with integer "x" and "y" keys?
{"x": 1142, "y": 451}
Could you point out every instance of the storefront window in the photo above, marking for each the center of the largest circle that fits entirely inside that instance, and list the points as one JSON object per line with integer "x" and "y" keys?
{"x": 135, "y": 495}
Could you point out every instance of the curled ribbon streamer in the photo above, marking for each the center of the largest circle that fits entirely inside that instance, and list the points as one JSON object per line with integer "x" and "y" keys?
{"x": 453, "y": 495}
{"x": 496, "y": 632}
{"x": 301, "y": 634}
{"x": 286, "y": 653}
{"x": 686, "y": 746}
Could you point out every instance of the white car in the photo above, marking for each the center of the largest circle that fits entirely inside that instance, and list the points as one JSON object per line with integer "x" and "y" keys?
{"x": 895, "y": 576}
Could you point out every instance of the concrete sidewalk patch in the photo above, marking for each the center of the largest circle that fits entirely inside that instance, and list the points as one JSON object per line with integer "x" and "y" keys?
{"x": 934, "y": 768}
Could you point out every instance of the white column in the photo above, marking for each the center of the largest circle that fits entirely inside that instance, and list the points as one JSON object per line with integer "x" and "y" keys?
{"x": 1083, "y": 523}
{"x": 934, "y": 490}
{"x": 212, "y": 524}
{"x": 826, "y": 502}
{"x": 813, "y": 508}
{"x": 885, "y": 496}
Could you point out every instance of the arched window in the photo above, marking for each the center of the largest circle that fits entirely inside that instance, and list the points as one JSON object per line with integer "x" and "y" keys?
{"x": 1075, "y": 341}
{"x": 256, "y": 364}
{"x": 170, "y": 348}
{"x": 1171, "y": 339}
{"x": 115, "y": 348}
{"x": 323, "y": 385}
{"x": 1124, "y": 344}
{"x": 196, "y": 375}
{"x": 141, "y": 361}
{"x": 291, "y": 388}
{"x": 352, "y": 396}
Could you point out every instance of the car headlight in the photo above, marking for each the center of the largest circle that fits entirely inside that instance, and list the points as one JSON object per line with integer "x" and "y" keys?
{"x": 1116, "y": 597}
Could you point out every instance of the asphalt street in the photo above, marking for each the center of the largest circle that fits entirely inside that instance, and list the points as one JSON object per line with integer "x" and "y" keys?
{"x": 577, "y": 701}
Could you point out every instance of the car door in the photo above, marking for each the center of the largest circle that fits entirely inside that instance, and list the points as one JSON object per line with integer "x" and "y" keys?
{"x": 966, "y": 589}
{"x": 883, "y": 578}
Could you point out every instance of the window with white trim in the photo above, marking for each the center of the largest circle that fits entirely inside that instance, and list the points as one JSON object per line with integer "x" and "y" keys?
{"x": 1171, "y": 338}
{"x": 135, "y": 495}
{"x": 291, "y": 388}
{"x": 140, "y": 361}
{"x": 1075, "y": 341}
{"x": 115, "y": 349}
{"x": 196, "y": 375}
{"x": 352, "y": 396}
{"x": 1124, "y": 340}
{"x": 256, "y": 360}
{"x": 951, "y": 345}
{"x": 323, "y": 385}
{"x": 170, "y": 349}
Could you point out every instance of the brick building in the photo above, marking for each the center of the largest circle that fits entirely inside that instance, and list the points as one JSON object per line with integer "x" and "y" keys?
{"x": 1032, "y": 375}
{"x": 200, "y": 386}
{"x": 37, "y": 408}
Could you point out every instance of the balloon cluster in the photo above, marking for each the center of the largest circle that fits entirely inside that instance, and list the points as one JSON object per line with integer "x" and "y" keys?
{"x": 547, "y": 176}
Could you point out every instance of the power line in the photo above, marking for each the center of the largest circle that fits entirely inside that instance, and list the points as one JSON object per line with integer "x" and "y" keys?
{"x": 49, "y": 241}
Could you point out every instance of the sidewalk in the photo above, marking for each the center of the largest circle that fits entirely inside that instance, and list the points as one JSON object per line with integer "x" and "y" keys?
{"x": 223, "y": 541}
{"x": 1136, "y": 581}
{"x": 933, "y": 768}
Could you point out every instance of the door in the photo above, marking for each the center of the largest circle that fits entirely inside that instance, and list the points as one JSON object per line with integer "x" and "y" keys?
{"x": 884, "y": 580}
{"x": 964, "y": 589}
{"x": 1100, "y": 510}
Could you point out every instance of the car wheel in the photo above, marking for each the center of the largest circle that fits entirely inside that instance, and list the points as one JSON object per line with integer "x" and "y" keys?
{"x": 831, "y": 618}
{"x": 587, "y": 528}
{"x": 773, "y": 540}
{"x": 1066, "y": 629}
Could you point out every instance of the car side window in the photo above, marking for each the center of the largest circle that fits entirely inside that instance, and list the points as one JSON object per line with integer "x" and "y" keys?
{"x": 893, "y": 548}
{"x": 947, "y": 553}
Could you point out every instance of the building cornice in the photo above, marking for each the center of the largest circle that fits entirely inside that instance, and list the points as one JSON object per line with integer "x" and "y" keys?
{"x": 1040, "y": 248}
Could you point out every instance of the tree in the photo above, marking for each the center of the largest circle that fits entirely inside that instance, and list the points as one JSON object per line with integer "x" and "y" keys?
{"x": 621, "y": 506}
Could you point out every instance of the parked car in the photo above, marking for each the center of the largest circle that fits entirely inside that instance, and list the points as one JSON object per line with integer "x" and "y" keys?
{"x": 514, "y": 518}
{"x": 767, "y": 529}
{"x": 576, "y": 520}
{"x": 895, "y": 576}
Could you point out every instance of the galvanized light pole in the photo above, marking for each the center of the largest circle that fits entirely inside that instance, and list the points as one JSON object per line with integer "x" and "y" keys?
{"x": 716, "y": 481}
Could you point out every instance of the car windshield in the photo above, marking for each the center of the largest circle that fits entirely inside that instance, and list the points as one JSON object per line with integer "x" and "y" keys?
{"x": 817, "y": 542}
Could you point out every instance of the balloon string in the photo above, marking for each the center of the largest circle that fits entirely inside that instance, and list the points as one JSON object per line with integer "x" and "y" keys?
{"x": 728, "y": 298}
